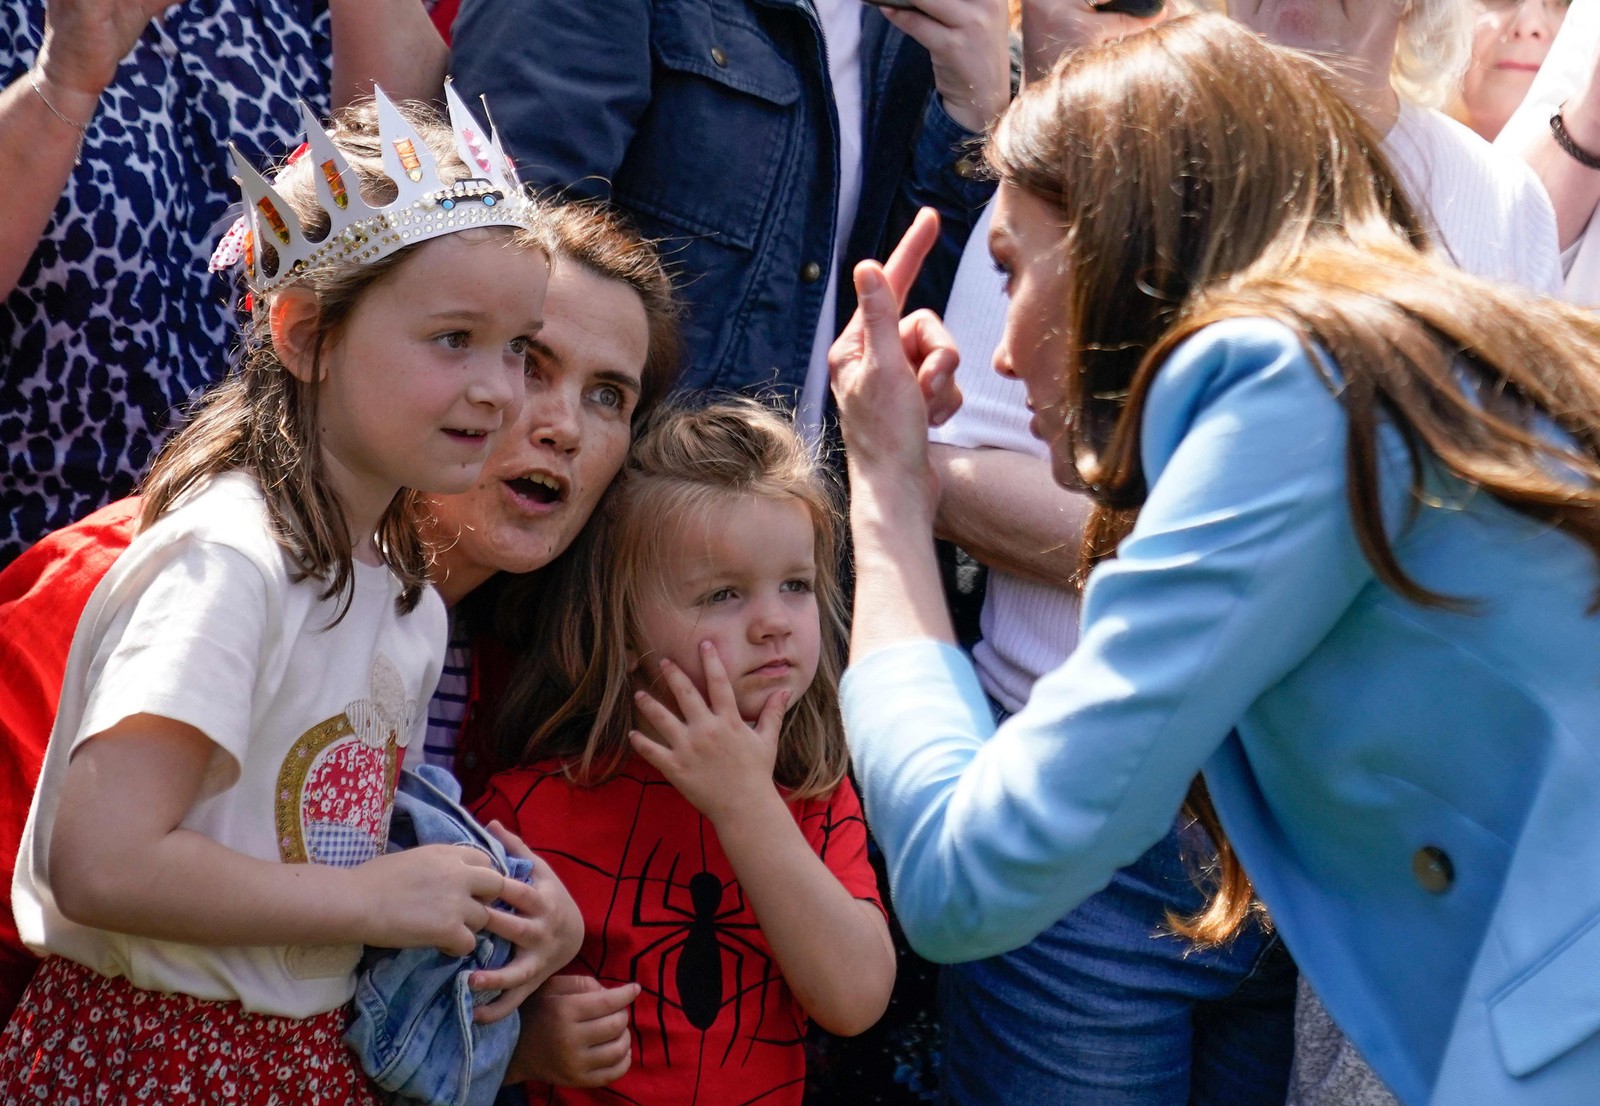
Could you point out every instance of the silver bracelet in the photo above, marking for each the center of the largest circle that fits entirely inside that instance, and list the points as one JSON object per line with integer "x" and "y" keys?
{"x": 81, "y": 128}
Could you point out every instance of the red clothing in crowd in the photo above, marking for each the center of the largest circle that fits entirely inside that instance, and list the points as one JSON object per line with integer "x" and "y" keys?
{"x": 443, "y": 14}
{"x": 714, "y": 1021}
{"x": 42, "y": 594}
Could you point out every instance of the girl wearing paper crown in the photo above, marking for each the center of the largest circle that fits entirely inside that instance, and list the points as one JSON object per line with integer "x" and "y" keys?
{"x": 205, "y": 855}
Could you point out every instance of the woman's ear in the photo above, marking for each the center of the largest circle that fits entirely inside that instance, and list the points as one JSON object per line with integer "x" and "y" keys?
{"x": 294, "y": 316}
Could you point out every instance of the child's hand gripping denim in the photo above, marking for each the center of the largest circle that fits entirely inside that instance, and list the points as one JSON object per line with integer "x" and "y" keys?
{"x": 414, "y": 1026}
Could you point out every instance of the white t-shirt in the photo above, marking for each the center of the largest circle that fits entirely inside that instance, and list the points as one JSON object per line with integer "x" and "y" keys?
{"x": 1565, "y": 69}
{"x": 1491, "y": 211}
{"x": 1028, "y": 628}
{"x": 841, "y": 35}
{"x": 199, "y": 621}
{"x": 1491, "y": 214}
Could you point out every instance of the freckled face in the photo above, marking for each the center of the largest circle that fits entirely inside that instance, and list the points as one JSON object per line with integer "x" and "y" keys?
{"x": 548, "y": 472}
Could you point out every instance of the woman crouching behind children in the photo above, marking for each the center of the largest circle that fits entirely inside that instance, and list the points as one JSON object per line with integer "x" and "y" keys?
{"x": 204, "y": 859}
{"x": 685, "y": 776}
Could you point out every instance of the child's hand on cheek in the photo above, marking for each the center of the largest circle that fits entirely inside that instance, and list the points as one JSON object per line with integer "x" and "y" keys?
{"x": 708, "y": 752}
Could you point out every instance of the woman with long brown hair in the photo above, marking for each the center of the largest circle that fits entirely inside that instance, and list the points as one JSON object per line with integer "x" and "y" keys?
{"x": 1357, "y": 594}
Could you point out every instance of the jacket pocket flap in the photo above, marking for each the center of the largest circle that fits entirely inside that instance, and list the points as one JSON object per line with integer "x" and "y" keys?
{"x": 1552, "y": 1008}
{"x": 727, "y": 52}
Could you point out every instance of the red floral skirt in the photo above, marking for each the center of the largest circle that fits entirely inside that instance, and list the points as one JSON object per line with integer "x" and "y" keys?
{"x": 80, "y": 1039}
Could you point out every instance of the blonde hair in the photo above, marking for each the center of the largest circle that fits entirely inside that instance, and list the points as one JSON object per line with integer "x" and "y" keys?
{"x": 1433, "y": 50}
{"x": 572, "y": 694}
{"x": 1201, "y": 174}
{"x": 262, "y": 419}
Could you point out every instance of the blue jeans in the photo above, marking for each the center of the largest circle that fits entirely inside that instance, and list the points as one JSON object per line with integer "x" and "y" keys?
{"x": 1106, "y": 1008}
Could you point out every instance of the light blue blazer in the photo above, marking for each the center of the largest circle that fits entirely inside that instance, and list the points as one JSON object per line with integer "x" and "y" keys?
{"x": 1414, "y": 790}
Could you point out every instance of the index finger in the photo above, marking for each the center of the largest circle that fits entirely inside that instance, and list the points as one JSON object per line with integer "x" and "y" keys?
{"x": 719, "y": 689}
{"x": 905, "y": 262}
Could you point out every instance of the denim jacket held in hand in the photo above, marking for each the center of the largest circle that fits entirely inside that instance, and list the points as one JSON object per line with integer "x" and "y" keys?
{"x": 412, "y": 1027}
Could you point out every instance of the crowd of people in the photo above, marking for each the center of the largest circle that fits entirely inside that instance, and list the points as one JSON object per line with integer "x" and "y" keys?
{"x": 492, "y": 488}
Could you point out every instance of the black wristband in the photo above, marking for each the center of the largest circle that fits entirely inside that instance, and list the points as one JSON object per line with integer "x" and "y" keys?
{"x": 1558, "y": 127}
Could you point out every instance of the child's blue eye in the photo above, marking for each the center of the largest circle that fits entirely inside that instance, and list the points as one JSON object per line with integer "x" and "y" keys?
{"x": 798, "y": 585}
{"x": 721, "y": 595}
{"x": 454, "y": 339}
{"x": 520, "y": 346}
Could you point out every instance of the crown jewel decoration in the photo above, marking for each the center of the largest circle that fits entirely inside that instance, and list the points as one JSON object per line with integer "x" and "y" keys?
{"x": 426, "y": 207}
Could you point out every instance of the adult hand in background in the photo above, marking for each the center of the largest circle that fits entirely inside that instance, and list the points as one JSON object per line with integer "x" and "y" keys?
{"x": 891, "y": 377}
{"x": 969, "y": 42}
{"x": 44, "y": 113}
{"x": 85, "y": 41}
{"x": 1574, "y": 64}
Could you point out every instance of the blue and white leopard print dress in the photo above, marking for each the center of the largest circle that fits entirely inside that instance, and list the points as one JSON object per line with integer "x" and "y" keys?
{"x": 116, "y": 321}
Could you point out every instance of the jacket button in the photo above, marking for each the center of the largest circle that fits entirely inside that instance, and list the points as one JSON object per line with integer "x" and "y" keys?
{"x": 1433, "y": 869}
{"x": 720, "y": 56}
{"x": 811, "y": 272}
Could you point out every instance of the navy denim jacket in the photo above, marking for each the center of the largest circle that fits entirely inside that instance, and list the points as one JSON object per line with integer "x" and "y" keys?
{"x": 412, "y": 1027}
{"x": 712, "y": 123}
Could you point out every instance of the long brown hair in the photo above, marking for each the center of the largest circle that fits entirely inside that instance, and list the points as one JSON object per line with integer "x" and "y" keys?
{"x": 571, "y": 696}
{"x": 262, "y": 419}
{"x": 1201, "y": 174}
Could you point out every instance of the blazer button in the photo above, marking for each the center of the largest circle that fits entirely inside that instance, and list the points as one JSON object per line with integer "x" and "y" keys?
{"x": 1433, "y": 869}
{"x": 811, "y": 272}
{"x": 720, "y": 56}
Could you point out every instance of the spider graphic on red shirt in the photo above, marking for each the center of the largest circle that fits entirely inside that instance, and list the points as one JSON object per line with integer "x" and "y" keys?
{"x": 701, "y": 940}
{"x": 663, "y": 909}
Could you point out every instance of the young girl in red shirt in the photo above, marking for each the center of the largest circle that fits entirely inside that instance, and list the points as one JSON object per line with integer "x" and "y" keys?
{"x": 684, "y": 774}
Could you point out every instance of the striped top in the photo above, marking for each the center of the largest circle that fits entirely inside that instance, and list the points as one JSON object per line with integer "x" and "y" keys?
{"x": 448, "y": 707}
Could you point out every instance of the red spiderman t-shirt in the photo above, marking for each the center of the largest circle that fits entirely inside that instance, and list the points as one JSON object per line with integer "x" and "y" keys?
{"x": 714, "y": 1022}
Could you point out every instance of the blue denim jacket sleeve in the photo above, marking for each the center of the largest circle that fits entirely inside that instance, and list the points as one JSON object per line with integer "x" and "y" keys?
{"x": 412, "y": 1026}
{"x": 1243, "y": 558}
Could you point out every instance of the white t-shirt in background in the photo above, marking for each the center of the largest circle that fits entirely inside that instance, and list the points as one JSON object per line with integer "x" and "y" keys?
{"x": 1565, "y": 69}
{"x": 200, "y": 621}
{"x": 841, "y": 34}
{"x": 1491, "y": 211}
{"x": 1028, "y": 628}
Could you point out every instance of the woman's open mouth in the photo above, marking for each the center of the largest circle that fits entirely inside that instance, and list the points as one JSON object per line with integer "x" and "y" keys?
{"x": 536, "y": 488}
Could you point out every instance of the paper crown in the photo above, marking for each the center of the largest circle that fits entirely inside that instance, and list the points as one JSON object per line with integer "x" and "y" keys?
{"x": 426, "y": 207}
